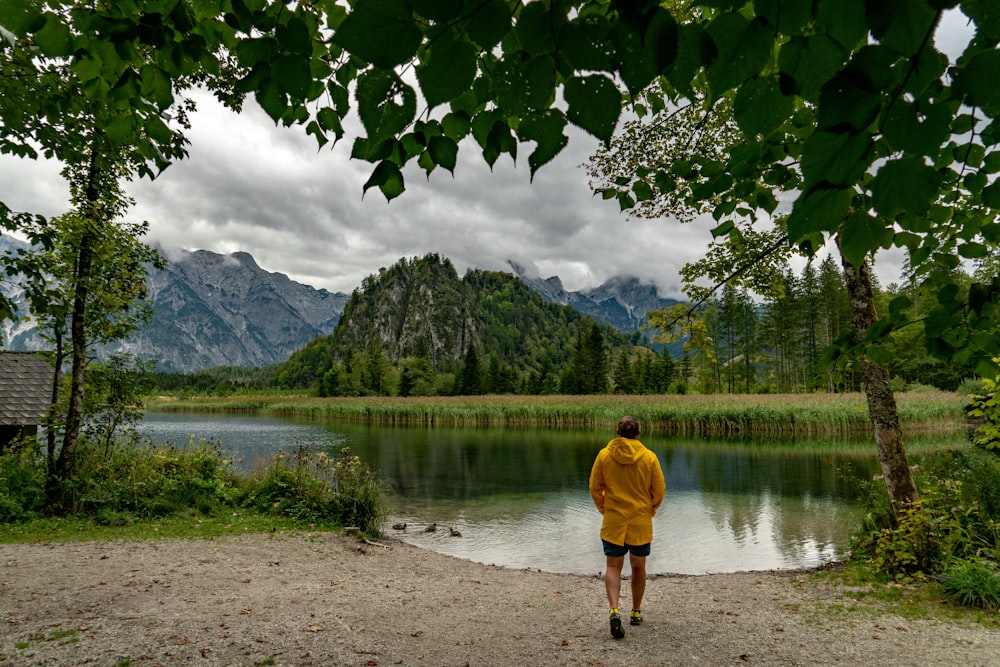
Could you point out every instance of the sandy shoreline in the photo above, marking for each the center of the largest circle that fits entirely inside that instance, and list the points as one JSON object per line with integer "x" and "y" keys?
{"x": 303, "y": 599}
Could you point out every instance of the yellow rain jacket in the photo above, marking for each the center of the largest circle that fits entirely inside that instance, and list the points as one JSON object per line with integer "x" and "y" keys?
{"x": 627, "y": 486}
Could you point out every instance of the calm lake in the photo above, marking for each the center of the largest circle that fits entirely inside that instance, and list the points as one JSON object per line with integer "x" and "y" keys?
{"x": 519, "y": 496}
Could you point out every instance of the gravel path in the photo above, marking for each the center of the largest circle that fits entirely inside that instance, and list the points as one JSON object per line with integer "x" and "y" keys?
{"x": 298, "y": 599}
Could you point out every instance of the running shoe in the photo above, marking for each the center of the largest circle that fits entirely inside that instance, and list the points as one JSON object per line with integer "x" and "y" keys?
{"x": 616, "y": 624}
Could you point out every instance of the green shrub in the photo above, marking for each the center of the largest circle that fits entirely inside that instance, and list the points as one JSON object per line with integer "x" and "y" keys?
{"x": 310, "y": 486}
{"x": 918, "y": 545}
{"x": 957, "y": 519}
{"x": 150, "y": 481}
{"x": 974, "y": 583}
{"x": 973, "y": 385}
{"x": 22, "y": 484}
{"x": 132, "y": 481}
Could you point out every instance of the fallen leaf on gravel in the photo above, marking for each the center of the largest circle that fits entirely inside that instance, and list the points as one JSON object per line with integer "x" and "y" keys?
{"x": 316, "y": 628}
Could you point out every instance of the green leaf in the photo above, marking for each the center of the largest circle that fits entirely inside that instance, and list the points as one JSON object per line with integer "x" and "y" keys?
{"x": 314, "y": 129}
{"x": 381, "y": 32}
{"x": 906, "y": 185}
{"x": 121, "y": 128}
{"x": 860, "y": 235}
{"x": 644, "y": 46}
{"x": 973, "y": 250}
{"x": 986, "y": 14}
{"x": 520, "y": 85}
{"x": 809, "y": 62}
{"x": 695, "y": 49}
{"x": 386, "y": 104}
{"x": 329, "y": 121}
{"x": 991, "y": 195}
{"x": 294, "y": 37}
{"x": 388, "y": 178}
{"x": 271, "y": 99}
{"x": 21, "y": 17}
{"x": 155, "y": 85}
{"x": 901, "y": 24}
{"x": 251, "y": 51}
{"x": 545, "y": 128}
{"x": 534, "y": 29}
{"x": 294, "y": 75}
{"x": 444, "y": 152}
{"x": 843, "y": 20}
{"x": 158, "y": 130}
{"x": 821, "y": 210}
{"x": 642, "y": 190}
{"x": 447, "y": 71}
{"x": 723, "y": 229}
{"x": 54, "y": 39}
{"x": 837, "y": 159}
{"x": 848, "y": 101}
{"x": 456, "y": 125}
{"x": 744, "y": 49}
{"x": 917, "y": 128}
{"x": 438, "y": 10}
{"x": 594, "y": 104}
{"x": 760, "y": 107}
{"x": 489, "y": 23}
{"x": 584, "y": 43}
{"x": 977, "y": 80}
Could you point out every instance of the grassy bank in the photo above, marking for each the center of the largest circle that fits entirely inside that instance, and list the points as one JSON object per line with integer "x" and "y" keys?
{"x": 716, "y": 415}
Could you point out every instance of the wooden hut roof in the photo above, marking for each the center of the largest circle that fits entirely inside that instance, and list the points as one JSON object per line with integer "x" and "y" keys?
{"x": 25, "y": 388}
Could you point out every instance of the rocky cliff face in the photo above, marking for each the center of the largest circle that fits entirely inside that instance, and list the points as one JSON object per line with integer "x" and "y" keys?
{"x": 224, "y": 310}
{"x": 212, "y": 310}
{"x": 417, "y": 304}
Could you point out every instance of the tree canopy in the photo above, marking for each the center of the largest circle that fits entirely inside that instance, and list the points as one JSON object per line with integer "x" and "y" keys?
{"x": 849, "y": 104}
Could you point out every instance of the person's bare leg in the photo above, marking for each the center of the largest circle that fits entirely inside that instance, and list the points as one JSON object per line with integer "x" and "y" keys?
{"x": 638, "y": 564}
{"x": 613, "y": 579}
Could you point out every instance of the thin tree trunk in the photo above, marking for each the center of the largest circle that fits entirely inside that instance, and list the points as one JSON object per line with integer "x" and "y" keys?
{"x": 881, "y": 401}
{"x": 74, "y": 413}
{"x": 78, "y": 333}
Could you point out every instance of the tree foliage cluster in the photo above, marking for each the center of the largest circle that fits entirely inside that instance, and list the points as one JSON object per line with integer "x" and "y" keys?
{"x": 854, "y": 107}
{"x": 786, "y": 340}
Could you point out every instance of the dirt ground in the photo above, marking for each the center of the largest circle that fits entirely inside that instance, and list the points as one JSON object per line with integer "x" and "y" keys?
{"x": 324, "y": 599}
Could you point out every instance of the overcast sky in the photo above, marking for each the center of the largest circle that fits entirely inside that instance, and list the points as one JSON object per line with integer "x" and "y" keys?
{"x": 250, "y": 186}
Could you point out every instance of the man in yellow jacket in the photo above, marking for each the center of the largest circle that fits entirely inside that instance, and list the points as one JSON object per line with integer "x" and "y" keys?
{"x": 627, "y": 486}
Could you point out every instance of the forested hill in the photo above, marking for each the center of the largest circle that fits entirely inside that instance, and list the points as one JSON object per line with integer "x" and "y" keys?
{"x": 419, "y": 317}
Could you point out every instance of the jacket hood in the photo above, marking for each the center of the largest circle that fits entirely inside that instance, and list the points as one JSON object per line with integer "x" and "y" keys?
{"x": 625, "y": 450}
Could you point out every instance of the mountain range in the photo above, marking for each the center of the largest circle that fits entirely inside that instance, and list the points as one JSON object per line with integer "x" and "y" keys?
{"x": 224, "y": 310}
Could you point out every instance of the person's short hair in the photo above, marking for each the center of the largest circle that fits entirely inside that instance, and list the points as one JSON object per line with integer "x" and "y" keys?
{"x": 628, "y": 427}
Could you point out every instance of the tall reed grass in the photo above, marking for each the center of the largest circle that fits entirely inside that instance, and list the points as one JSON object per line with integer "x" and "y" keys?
{"x": 714, "y": 415}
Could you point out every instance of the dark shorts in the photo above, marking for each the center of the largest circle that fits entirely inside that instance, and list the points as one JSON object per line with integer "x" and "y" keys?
{"x": 615, "y": 550}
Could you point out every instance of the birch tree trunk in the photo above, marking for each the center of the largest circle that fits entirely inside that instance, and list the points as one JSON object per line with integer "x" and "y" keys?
{"x": 881, "y": 401}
